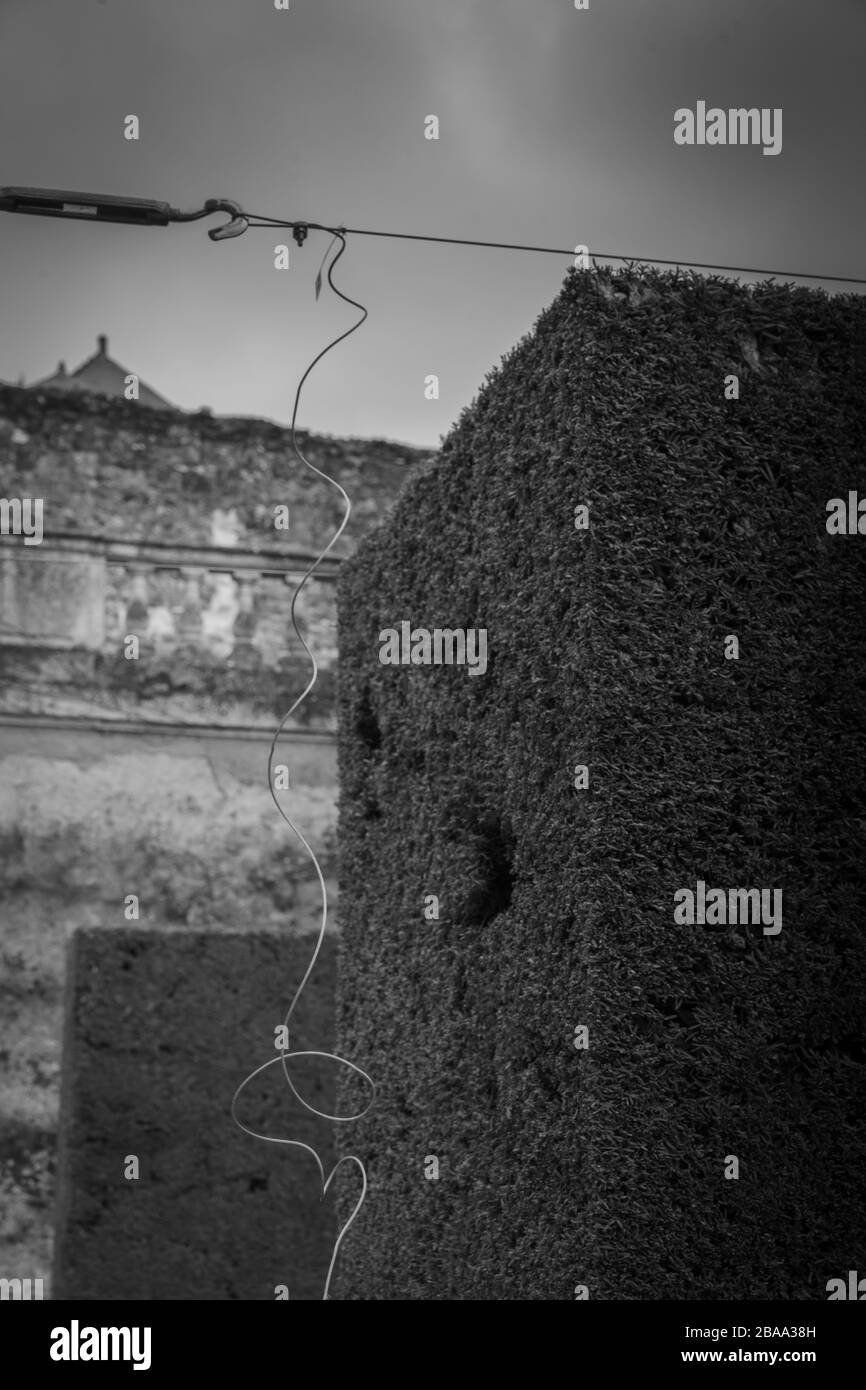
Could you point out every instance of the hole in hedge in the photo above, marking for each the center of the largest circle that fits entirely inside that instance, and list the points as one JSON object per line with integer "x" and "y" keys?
{"x": 686, "y": 698}
{"x": 672, "y": 1010}
{"x": 415, "y": 760}
{"x": 491, "y": 895}
{"x": 850, "y": 1046}
{"x": 366, "y": 723}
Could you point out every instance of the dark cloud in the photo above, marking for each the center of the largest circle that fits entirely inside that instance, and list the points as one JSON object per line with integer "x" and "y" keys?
{"x": 556, "y": 127}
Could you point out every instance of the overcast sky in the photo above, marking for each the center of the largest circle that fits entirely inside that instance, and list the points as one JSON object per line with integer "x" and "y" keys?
{"x": 556, "y": 127}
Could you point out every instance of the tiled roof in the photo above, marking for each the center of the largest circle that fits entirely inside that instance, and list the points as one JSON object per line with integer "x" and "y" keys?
{"x": 101, "y": 374}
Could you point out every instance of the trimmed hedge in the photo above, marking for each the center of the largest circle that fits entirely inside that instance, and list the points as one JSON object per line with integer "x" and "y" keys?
{"x": 161, "y": 1029}
{"x": 605, "y": 1167}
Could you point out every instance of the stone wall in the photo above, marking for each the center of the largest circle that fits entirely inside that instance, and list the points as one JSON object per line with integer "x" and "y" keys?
{"x": 89, "y": 816}
{"x": 107, "y": 469}
{"x": 149, "y": 776}
{"x": 163, "y": 527}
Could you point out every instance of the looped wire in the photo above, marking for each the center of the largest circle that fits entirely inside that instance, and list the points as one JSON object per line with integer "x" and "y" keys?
{"x": 286, "y": 1055}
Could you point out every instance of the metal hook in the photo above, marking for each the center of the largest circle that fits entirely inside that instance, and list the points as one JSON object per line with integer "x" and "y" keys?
{"x": 238, "y": 224}
{"x": 105, "y": 207}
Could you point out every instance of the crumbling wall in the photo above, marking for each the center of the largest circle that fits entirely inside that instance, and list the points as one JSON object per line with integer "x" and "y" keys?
{"x": 87, "y": 821}
{"x": 148, "y": 777}
{"x": 108, "y": 469}
{"x": 168, "y": 527}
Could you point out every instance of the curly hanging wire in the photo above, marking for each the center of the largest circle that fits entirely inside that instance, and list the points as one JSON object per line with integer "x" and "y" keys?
{"x": 285, "y": 1055}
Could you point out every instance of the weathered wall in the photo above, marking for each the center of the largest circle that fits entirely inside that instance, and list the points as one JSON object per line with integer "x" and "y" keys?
{"x": 149, "y": 776}
{"x": 88, "y": 817}
{"x": 107, "y": 469}
{"x": 604, "y": 1167}
{"x": 163, "y": 526}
